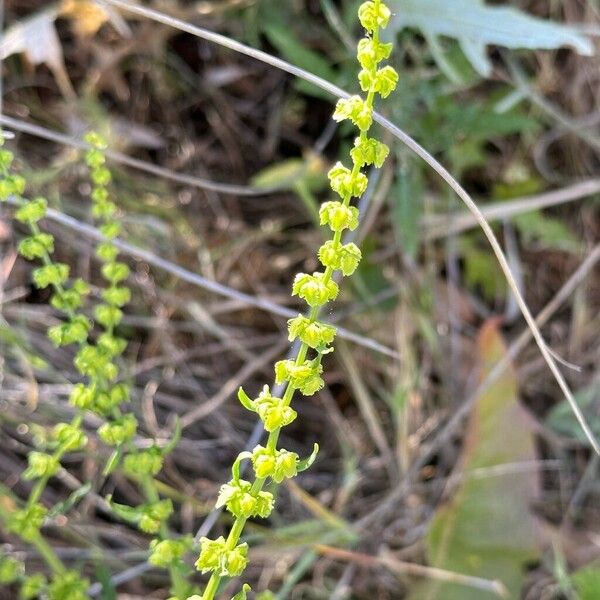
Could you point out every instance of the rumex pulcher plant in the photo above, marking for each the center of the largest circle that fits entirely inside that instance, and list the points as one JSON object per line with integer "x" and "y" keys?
{"x": 227, "y": 557}
{"x": 101, "y": 392}
{"x": 104, "y": 392}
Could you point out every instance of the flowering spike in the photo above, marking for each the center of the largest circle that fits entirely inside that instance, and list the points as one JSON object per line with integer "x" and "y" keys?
{"x": 304, "y": 371}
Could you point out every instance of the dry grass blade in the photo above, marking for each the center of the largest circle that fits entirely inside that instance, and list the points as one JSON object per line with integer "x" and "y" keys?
{"x": 207, "y": 284}
{"x": 230, "y": 386}
{"x": 402, "y": 568}
{"x": 438, "y": 226}
{"x": 413, "y": 145}
{"x": 367, "y": 409}
{"x": 451, "y": 426}
{"x": 140, "y": 165}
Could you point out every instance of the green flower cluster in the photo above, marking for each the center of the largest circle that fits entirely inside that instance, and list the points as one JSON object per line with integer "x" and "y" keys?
{"x": 67, "y": 585}
{"x": 218, "y": 556}
{"x": 148, "y": 517}
{"x": 12, "y": 572}
{"x": 67, "y": 298}
{"x": 226, "y": 557}
{"x": 101, "y": 393}
{"x": 11, "y": 569}
{"x": 106, "y": 397}
{"x": 97, "y": 362}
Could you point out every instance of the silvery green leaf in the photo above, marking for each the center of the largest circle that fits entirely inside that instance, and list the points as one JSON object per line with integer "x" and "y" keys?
{"x": 476, "y": 26}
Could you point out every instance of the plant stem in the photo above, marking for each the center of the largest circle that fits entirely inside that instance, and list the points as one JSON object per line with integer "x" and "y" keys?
{"x": 47, "y": 553}
{"x": 40, "y": 486}
{"x": 179, "y": 584}
{"x": 258, "y": 484}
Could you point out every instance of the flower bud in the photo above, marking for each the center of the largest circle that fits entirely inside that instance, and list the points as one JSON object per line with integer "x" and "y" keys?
{"x": 10, "y": 569}
{"x": 112, "y": 345}
{"x": 117, "y": 296}
{"x": 115, "y": 272}
{"x": 96, "y": 140}
{"x": 356, "y": 110}
{"x": 339, "y": 216}
{"x": 107, "y": 252}
{"x": 305, "y": 377}
{"x": 11, "y": 185}
{"x": 145, "y": 462}
{"x": 153, "y": 515}
{"x": 33, "y": 211}
{"x": 74, "y": 332}
{"x": 383, "y": 81}
{"x": 36, "y": 246}
{"x": 69, "y": 437}
{"x": 68, "y": 586}
{"x": 119, "y": 431}
{"x": 82, "y": 396}
{"x": 369, "y": 152}
{"x": 27, "y": 522}
{"x": 370, "y": 52}
{"x": 264, "y": 462}
{"x": 240, "y": 501}
{"x": 273, "y": 412}
{"x": 166, "y": 553}
{"x": 32, "y": 587}
{"x": 52, "y": 274}
{"x": 345, "y": 258}
{"x": 215, "y": 557}
{"x": 108, "y": 316}
{"x": 40, "y": 465}
{"x": 235, "y": 561}
{"x": 210, "y": 554}
{"x": 6, "y": 158}
{"x": 111, "y": 230}
{"x": 314, "y": 289}
{"x": 286, "y": 466}
{"x": 344, "y": 183}
{"x": 373, "y": 17}
{"x": 313, "y": 333}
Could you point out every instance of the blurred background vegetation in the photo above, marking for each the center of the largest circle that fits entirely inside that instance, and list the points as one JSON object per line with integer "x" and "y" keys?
{"x": 427, "y": 484}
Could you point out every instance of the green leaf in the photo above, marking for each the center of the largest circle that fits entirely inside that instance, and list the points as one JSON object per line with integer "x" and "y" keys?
{"x": 547, "y": 232}
{"x": 103, "y": 576}
{"x": 487, "y": 530}
{"x": 462, "y": 130}
{"x": 587, "y": 583}
{"x": 369, "y": 279}
{"x": 284, "y": 175}
{"x": 294, "y": 51}
{"x": 477, "y": 26}
{"x": 66, "y": 505}
{"x": 481, "y": 269}
{"x": 242, "y": 595}
{"x": 561, "y": 418}
{"x": 407, "y": 209}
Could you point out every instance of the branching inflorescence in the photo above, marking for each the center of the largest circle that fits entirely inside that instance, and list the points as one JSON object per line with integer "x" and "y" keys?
{"x": 227, "y": 557}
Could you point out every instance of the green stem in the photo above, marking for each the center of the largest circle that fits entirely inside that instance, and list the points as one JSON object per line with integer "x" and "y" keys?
{"x": 44, "y": 549}
{"x": 179, "y": 583}
{"x": 239, "y": 523}
{"x": 40, "y": 486}
{"x": 47, "y": 553}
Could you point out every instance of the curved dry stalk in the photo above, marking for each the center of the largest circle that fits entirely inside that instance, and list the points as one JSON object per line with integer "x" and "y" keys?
{"x": 215, "y": 287}
{"x": 465, "y": 408}
{"x": 438, "y": 226}
{"x": 140, "y": 165}
{"x": 412, "y": 145}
